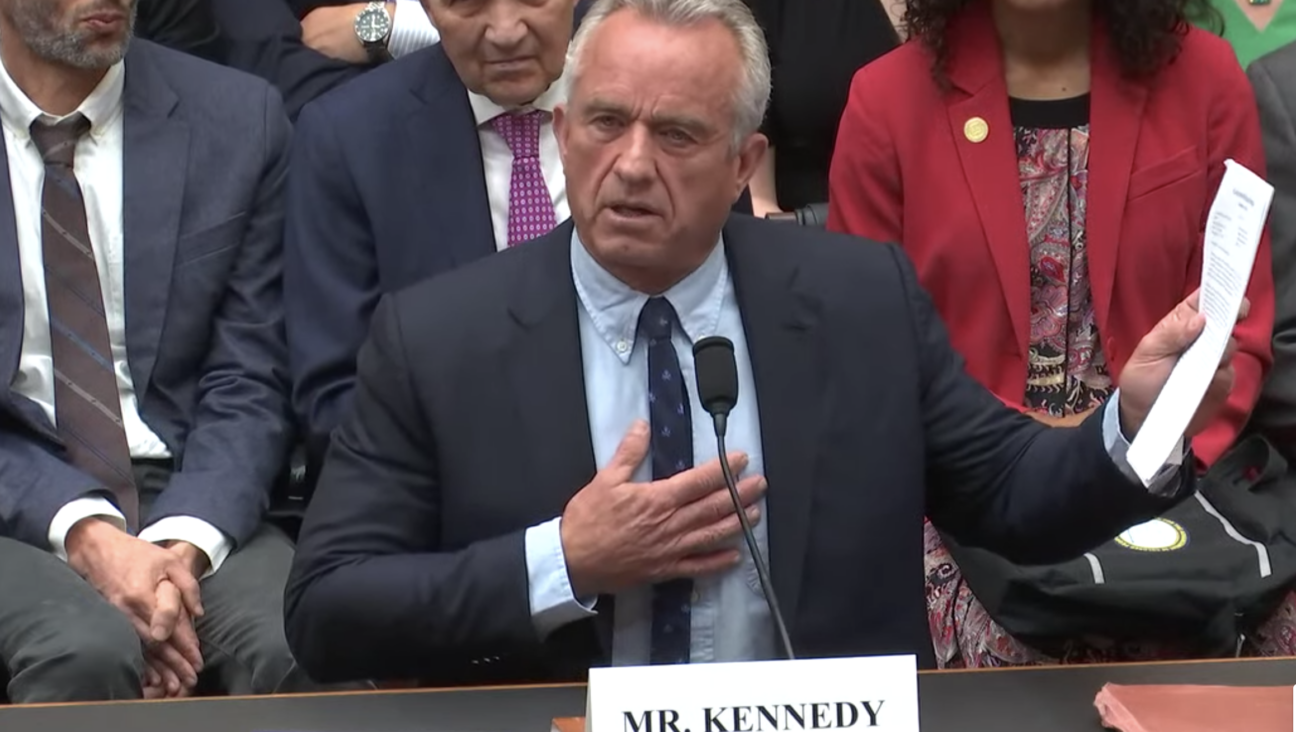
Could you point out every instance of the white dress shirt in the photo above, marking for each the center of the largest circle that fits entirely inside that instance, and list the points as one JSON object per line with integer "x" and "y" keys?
{"x": 98, "y": 167}
{"x": 412, "y": 29}
{"x": 497, "y": 159}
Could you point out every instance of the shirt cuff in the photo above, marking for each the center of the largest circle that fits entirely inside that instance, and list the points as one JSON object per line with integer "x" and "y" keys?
{"x": 73, "y": 512}
{"x": 1166, "y": 480}
{"x": 209, "y": 539}
{"x": 552, "y": 603}
{"x": 412, "y": 29}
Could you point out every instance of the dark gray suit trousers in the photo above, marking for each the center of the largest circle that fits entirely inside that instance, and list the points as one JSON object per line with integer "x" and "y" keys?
{"x": 61, "y": 641}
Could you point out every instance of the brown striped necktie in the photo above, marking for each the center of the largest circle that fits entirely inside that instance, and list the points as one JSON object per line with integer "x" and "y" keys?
{"x": 87, "y": 404}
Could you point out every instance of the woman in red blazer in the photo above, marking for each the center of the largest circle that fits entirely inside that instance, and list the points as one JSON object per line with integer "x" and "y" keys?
{"x": 1048, "y": 165}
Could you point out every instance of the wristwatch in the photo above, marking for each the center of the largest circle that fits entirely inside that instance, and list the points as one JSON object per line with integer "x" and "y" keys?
{"x": 373, "y": 26}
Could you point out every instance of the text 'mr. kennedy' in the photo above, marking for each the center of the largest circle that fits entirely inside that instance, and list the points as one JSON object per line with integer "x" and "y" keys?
{"x": 763, "y": 717}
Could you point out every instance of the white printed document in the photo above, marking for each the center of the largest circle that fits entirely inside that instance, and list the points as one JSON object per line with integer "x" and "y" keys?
{"x": 1233, "y": 230}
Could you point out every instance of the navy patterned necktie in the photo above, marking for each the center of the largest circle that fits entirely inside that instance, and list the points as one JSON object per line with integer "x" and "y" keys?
{"x": 672, "y": 452}
{"x": 87, "y": 404}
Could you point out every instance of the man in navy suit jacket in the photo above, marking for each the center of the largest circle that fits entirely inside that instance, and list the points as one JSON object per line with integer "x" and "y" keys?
{"x": 401, "y": 175}
{"x": 145, "y": 414}
{"x": 527, "y": 485}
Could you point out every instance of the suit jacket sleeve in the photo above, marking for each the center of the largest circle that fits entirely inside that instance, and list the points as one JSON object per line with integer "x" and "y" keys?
{"x": 865, "y": 197}
{"x": 34, "y": 484}
{"x": 372, "y": 593}
{"x": 1003, "y": 482}
{"x": 1234, "y": 133}
{"x": 1276, "y": 413}
{"x": 330, "y": 277}
{"x": 263, "y": 38}
{"x": 240, "y": 434}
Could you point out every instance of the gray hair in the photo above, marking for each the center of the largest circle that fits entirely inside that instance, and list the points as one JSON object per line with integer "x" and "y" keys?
{"x": 750, "y": 98}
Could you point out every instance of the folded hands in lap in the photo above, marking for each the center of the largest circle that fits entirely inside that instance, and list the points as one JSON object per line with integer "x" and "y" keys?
{"x": 156, "y": 588}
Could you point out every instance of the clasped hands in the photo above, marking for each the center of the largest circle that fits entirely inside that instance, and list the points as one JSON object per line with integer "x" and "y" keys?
{"x": 156, "y": 588}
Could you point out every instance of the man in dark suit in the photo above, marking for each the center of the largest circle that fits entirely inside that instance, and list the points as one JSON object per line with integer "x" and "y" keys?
{"x": 145, "y": 413}
{"x": 451, "y": 538}
{"x": 1273, "y": 77}
{"x": 430, "y": 162}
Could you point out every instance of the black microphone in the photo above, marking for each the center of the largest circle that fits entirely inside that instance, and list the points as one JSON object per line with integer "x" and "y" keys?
{"x": 717, "y": 385}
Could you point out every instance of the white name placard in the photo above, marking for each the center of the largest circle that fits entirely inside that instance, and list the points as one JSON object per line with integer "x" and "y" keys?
{"x": 875, "y": 694}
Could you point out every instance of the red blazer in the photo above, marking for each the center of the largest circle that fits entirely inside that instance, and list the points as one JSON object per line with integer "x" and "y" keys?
{"x": 905, "y": 171}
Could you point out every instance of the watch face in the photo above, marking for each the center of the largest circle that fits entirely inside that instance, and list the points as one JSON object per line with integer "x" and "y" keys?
{"x": 372, "y": 25}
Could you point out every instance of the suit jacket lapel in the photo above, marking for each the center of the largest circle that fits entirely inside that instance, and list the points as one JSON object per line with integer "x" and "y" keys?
{"x": 780, "y": 324}
{"x": 155, "y": 156}
{"x": 982, "y": 129}
{"x": 547, "y": 380}
{"x": 1116, "y": 112}
{"x": 12, "y": 310}
{"x": 441, "y": 135}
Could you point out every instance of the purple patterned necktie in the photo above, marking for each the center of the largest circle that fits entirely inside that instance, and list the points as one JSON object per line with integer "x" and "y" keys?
{"x": 531, "y": 210}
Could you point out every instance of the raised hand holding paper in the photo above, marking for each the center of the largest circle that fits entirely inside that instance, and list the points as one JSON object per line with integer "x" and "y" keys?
{"x": 1233, "y": 231}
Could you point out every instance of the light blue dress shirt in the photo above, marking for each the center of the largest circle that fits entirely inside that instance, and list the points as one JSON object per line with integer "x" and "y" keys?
{"x": 730, "y": 621}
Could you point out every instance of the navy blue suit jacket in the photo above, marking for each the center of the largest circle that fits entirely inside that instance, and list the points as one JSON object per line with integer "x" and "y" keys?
{"x": 470, "y": 424}
{"x": 386, "y": 189}
{"x": 204, "y": 163}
